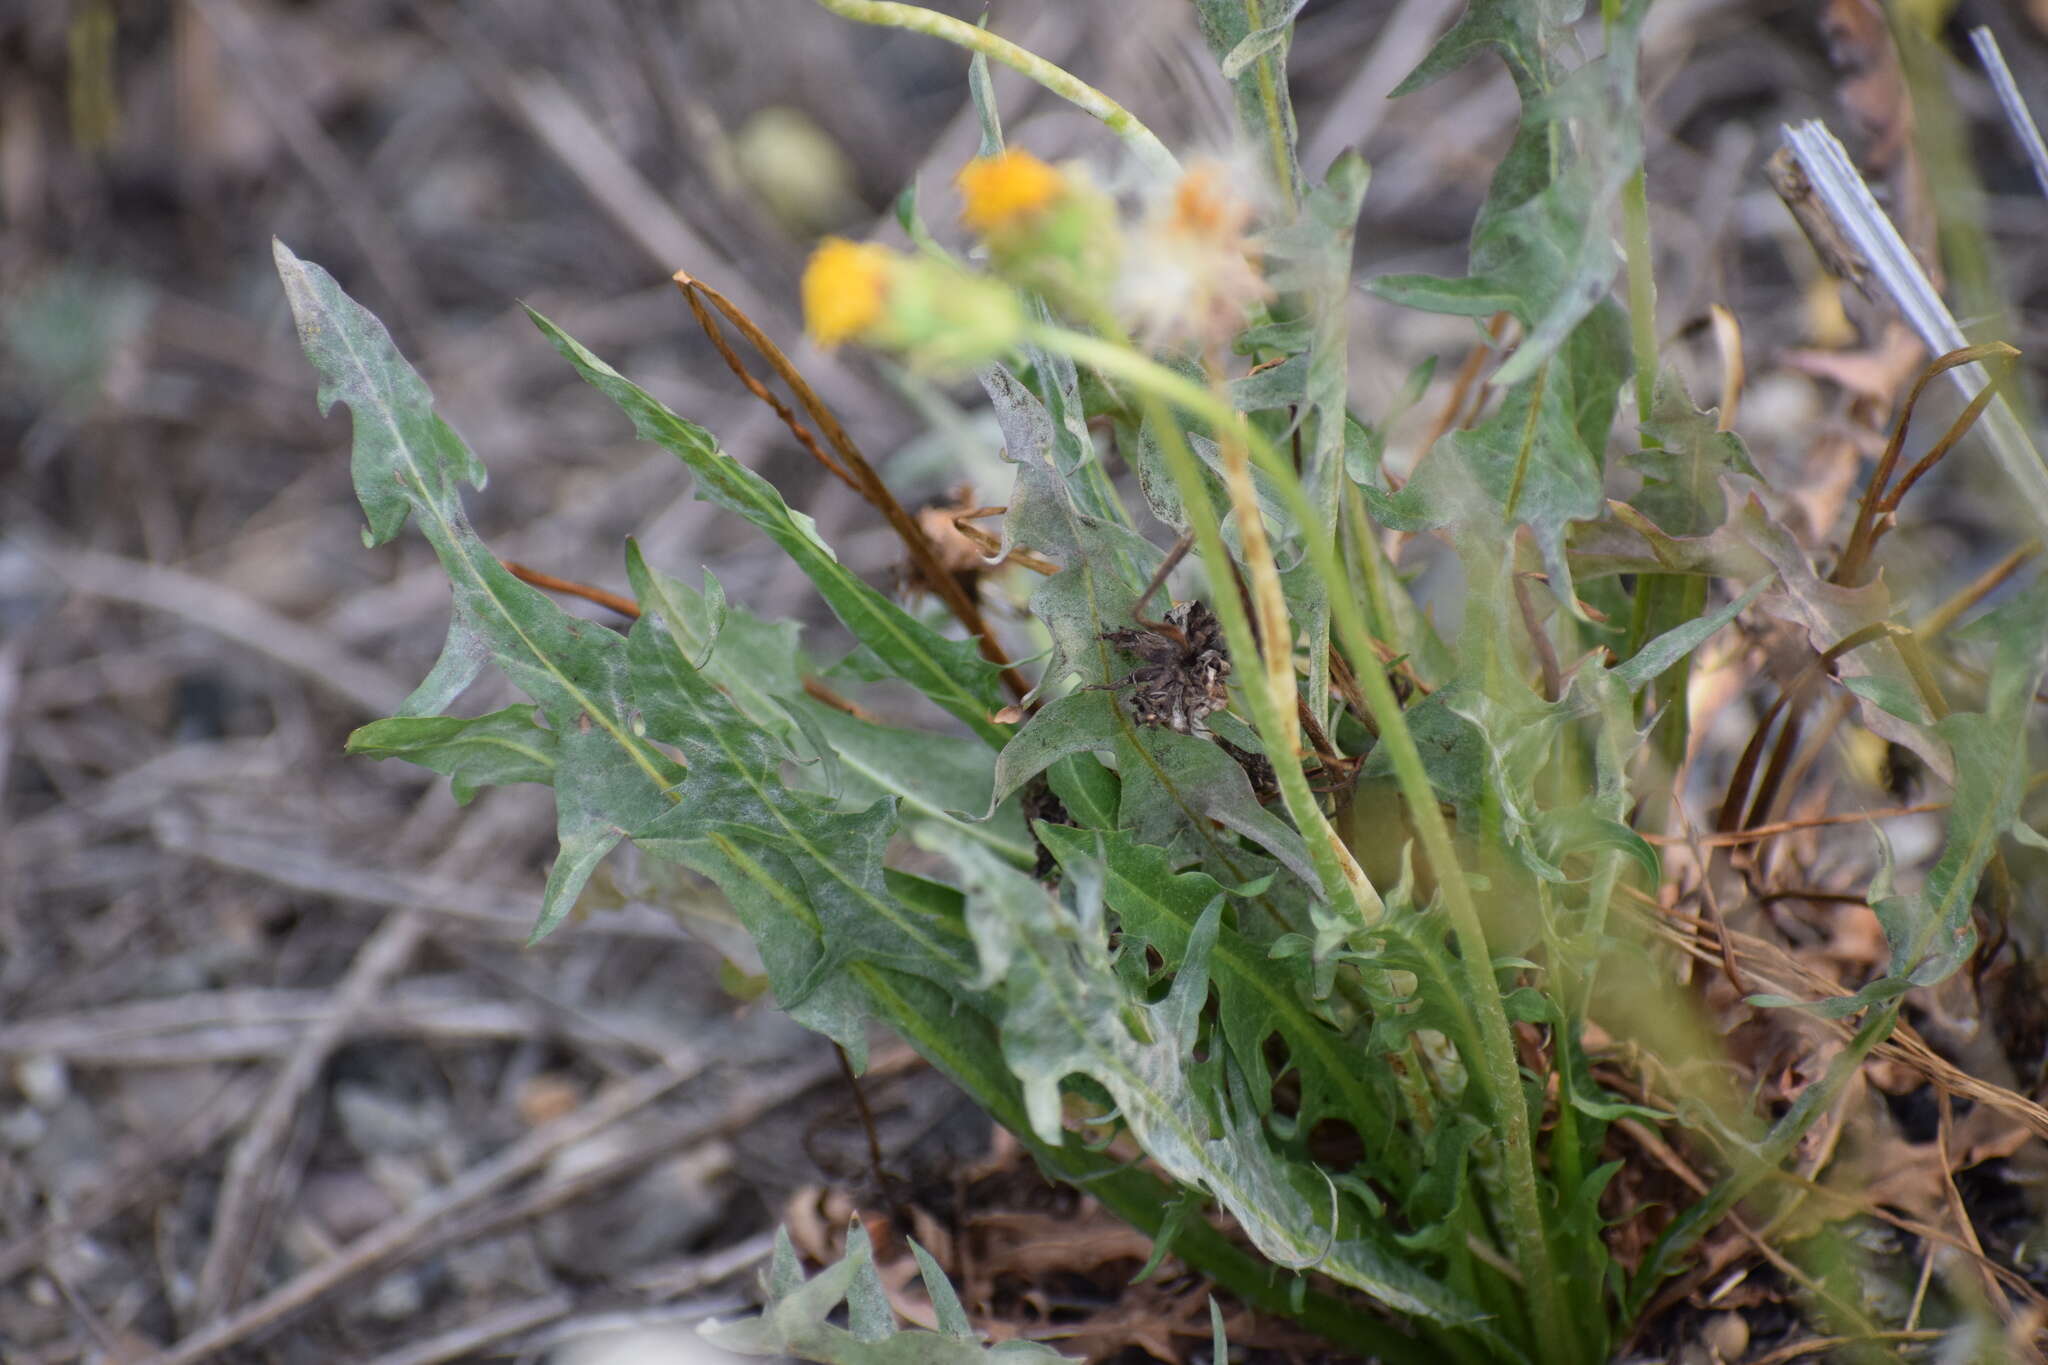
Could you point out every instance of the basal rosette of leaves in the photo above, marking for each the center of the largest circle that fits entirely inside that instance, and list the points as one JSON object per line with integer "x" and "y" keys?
{"x": 1327, "y": 954}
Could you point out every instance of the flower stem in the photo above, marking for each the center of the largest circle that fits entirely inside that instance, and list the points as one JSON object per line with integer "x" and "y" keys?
{"x": 1499, "y": 1069}
{"x": 917, "y": 19}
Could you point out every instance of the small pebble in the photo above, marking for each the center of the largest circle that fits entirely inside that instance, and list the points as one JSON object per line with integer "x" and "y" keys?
{"x": 44, "y": 1080}
{"x": 21, "y": 1129}
{"x": 548, "y": 1096}
{"x": 376, "y": 1123}
{"x": 396, "y": 1298}
{"x": 347, "y": 1204}
{"x": 1727, "y": 1336}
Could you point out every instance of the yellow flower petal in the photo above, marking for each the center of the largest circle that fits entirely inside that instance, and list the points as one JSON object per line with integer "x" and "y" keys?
{"x": 999, "y": 190}
{"x": 844, "y": 287}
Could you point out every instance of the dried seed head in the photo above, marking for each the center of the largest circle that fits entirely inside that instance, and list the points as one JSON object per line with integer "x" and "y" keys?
{"x": 1183, "y": 680}
{"x": 1190, "y": 273}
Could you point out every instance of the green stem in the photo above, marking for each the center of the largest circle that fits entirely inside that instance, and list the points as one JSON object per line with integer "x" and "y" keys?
{"x": 1365, "y": 555}
{"x": 1658, "y": 590}
{"x": 1325, "y": 849}
{"x": 1083, "y": 96}
{"x": 1274, "y": 110}
{"x": 1499, "y": 1071}
{"x": 1642, "y": 289}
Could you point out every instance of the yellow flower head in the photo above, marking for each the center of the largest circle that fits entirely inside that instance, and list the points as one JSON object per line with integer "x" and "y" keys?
{"x": 931, "y": 311}
{"x": 1002, "y": 189}
{"x": 845, "y": 287}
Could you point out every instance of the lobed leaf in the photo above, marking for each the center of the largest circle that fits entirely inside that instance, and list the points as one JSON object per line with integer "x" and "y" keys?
{"x": 1536, "y": 461}
{"x": 1066, "y": 1011}
{"x": 951, "y": 673}
{"x": 1542, "y": 248}
{"x": 1258, "y": 997}
{"x": 797, "y": 1320}
{"x": 407, "y": 461}
{"x": 804, "y": 875}
{"x": 471, "y": 751}
{"x": 1683, "y": 463}
{"x": 1930, "y": 930}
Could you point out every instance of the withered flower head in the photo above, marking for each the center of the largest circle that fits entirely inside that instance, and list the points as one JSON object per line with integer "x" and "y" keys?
{"x": 1191, "y": 272}
{"x": 1182, "y": 681}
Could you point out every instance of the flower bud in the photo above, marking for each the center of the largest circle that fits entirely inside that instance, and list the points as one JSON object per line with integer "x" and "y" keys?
{"x": 845, "y": 289}
{"x": 935, "y": 314}
{"x": 1047, "y": 228}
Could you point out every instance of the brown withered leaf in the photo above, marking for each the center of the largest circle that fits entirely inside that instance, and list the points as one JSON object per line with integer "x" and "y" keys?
{"x": 964, "y": 550}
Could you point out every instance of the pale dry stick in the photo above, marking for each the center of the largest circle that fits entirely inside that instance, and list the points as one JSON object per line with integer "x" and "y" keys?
{"x": 1927, "y": 1253}
{"x": 241, "y": 1214}
{"x": 249, "y": 1189}
{"x": 679, "y": 1317}
{"x": 227, "y": 613}
{"x": 127, "y": 798}
{"x": 2016, "y": 112}
{"x": 1814, "y": 1346}
{"x": 695, "y": 1272}
{"x": 11, "y": 651}
{"x": 339, "y": 182}
{"x": 485, "y": 1330}
{"x": 486, "y": 907}
{"x": 395, "y": 1235}
{"x": 256, "y": 1024}
{"x": 1778, "y": 969}
{"x": 1085, "y": 97}
{"x": 1953, "y": 1197}
{"x": 81, "y": 1311}
{"x": 546, "y": 1196}
{"x": 221, "y": 1115}
{"x": 735, "y": 1112}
